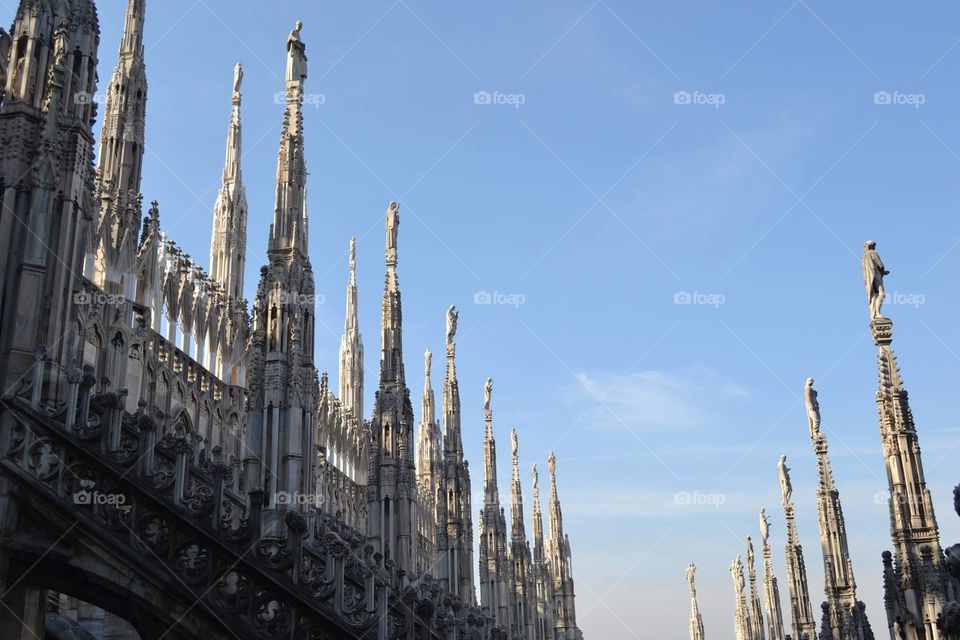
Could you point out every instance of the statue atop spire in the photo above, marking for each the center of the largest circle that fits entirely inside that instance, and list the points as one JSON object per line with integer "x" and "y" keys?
{"x": 452, "y": 316}
{"x": 487, "y": 390}
{"x": 873, "y": 273}
{"x": 296, "y": 56}
{"x": 786, "y": 487}
{"x": 696, "y": 621}
{"x": 771, "y": 591}
{"x": 801, "y": 611}
{"x": 813, "y": 407}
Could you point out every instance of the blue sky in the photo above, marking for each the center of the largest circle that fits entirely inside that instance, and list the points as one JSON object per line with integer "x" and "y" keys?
{"x": 590, "y": 192}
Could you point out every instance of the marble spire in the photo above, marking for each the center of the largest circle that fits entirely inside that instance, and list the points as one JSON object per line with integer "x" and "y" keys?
{"x": 916, "y": 583}
{"x": 288, "y": 233}
{"x": 754, "y": 608}
{"x": 525, "y": 599}
{"x": 844, "y": 617}
{"x": 351, "y": 346}
{"x": 558, "y": 552}
{"x": 771, "y": 592}
{"x": 120, "y": 159}
{"x": 228, "y": 242}
{"x": 542, "y": 583}
{"x": 496, "y": 584}
{"x": 741, "y": 617}
{"x": 454, "y": 511}
{"x": 391, "y": 480}
{"x": 696, "y": 621}
{"x": 801, "y": 611}
{"x": 429, "y": 473}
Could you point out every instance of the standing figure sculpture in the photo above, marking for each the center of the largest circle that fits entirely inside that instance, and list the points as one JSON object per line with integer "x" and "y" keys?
{"x": 764, "y": 526}
{"x": 393, "y": 225}
{"x": 691, "y": 576}
{"x": 237, "y": 77}
{"x": 487, "y": 390}
{"x": 427, "y": 360}
{"x": 452, "y": 315}
{"x": 736, "y": 570}
{"x": 296, "y": 55}
{"x": 813, "y": 408}
{"x": 873, "y": 272}
{"x": 786, "y": 487}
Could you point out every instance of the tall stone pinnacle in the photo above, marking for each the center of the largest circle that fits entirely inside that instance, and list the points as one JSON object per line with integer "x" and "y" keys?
{"x": 754, "y": 609}
{"x": 351, "y": 346}
{"x": 542, "y": 582}
{"x": 558, "y": 552}
{"x": 771, "y": 592}
{"x": 120, "y": 158}
{"x": 228, "y": 242}
{"x": 844, "y": 617}
{"x": 289, "y": 230}
{"x": 696, "y": 621}
{"x": 801, "y": 611}
{"x": 741, "y": 616}
{"x": 916, "y": 583}
{"x": 524, "y": 616}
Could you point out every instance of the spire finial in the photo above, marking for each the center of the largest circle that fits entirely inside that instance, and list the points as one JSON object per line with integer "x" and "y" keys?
{"x": 392, "y": 225}
{"x": 296, "y": 56}
{"x": 427, "y": 361}
{"x": 487, "y": 391}
{"x": 873, "y": 272}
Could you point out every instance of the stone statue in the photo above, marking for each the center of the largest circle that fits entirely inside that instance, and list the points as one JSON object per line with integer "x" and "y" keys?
{"x": 691, "y": 576}
{"x": 487, "y": 390}
{"x": 428, "y": 360}
{"x": 750, "y": 554}
{"x": 786, "y": 488}
{"x": 764, "y": 526}
{"x": 552, "y": 461}
{"x": 813, "y": 408}
{"x": 296, "y": 55}
{"x": 736, "y": 570}
{"x": 353, "y": 254}
{"x": 452, "y": 315}
{"x": 873, "y": 272}
{"x": 237, "y": 77}
{"x": 393, "y": 224}
{"x": 514, "y": 443}
{"x": 536, "y": 479}
{"x": 60, "y": 41}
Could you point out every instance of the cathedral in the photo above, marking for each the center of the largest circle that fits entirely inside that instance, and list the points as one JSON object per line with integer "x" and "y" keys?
{"x": 921, "y": 580}
{"x": 172, "y": 462}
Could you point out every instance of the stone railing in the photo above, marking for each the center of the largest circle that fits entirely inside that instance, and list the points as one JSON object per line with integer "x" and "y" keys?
{"x": 316, "y": 578}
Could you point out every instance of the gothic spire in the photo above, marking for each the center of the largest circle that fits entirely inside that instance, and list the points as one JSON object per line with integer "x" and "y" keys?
{"x": 288, "y": 233}
{"x": 517, "y": 531}
{"x": 351, "y": 346}
{"x": 771, "y": 591}
{"x": 429, "y": 438}
{"x": 839, "y": 584}
{"x": 916, "y": 584}
{"x": 391, "y": 325}
{"x": 741, "y": 617}
{"x": 495, "y": 598}
{"x": 561, "y": 571}
{"x": 755, "y": 610}
{"x": 542, "y": 582}
{"x": 228, "y": 244}
{"x": 801, "y": 611}
{"x": 525, "y": 609}
{"x": 120, "y": 157}
{"x": 696, "y": 621}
